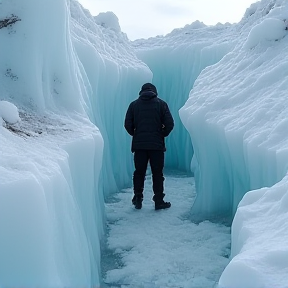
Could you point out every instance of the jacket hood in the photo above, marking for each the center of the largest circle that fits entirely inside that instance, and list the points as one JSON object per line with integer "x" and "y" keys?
{"x": 148, "y": 87}
{"x": 147, "y": 95}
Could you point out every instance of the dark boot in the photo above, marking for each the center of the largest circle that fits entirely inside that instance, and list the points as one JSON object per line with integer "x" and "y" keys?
{"x": 137, "y": 201}
{"x": 160, "y": 203}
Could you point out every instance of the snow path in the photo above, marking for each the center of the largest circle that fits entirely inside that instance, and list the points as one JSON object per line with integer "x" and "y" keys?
{"x": 154, "y": 249}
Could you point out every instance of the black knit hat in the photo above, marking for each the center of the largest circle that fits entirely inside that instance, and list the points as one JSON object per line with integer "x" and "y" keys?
{"x": 148, "y": 87}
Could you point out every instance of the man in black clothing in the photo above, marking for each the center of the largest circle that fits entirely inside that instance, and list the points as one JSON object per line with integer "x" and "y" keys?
{"x": 149, "y": 121}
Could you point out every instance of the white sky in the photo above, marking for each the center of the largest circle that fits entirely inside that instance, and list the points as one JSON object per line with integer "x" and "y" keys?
{"x": 143, "y": 19}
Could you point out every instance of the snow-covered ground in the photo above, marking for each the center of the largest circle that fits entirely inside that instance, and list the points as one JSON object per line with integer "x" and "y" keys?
{"x": 163, "y": 248}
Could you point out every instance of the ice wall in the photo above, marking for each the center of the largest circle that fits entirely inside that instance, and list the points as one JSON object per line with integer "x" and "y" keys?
{"x": 238, "y": 127}
{"x": 115, "y": 77}
{"x": 51, "y": 209}
{"x": 51, "y": 214}
{"x": 236, "y": 122}
{"x": 176, "y": 60}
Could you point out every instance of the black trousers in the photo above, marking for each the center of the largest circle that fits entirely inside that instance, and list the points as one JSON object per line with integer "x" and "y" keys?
{"x": 156, "y": 159}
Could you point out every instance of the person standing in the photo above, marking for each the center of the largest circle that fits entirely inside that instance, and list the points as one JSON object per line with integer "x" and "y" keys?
{"x": 148, "y": 120}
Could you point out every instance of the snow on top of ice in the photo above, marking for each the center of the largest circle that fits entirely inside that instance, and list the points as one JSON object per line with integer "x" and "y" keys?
{"x": 197, "y": 30}
{"x": 220, "y": 33}
{"x": 260, "y": 228}
{"x": 109, "y": 43}
{"x": 108, "y": 20}
{"x": 9, "y": 112}
{"x": 189, "y": 35}
{"x": 271, "y": 26}
{"x": 270, "y": 29}
{"x": 45, "y": 131}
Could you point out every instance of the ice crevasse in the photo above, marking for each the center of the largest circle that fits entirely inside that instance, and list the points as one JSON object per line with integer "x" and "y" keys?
{"x": 73, "y": 78}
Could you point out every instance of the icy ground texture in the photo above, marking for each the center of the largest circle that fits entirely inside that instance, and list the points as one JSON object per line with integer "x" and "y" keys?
{"x": 158, "y": 249}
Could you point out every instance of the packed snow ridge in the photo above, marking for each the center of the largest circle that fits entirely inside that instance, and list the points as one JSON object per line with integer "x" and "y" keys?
{"x": 64, "y": 89}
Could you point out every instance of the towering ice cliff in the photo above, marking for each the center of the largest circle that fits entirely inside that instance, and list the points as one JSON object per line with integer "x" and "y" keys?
{"x": 115, "y": 77}
{"x": 51, "y": 212}
{"x": 64, "y": 71}
{"x": 236, "y": 121}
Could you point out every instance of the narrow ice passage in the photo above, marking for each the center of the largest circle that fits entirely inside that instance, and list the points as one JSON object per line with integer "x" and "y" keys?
{"x": 154, "y": 249}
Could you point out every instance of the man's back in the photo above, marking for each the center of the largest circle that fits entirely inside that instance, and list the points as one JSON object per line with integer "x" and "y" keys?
{"x": 148, "y": 120}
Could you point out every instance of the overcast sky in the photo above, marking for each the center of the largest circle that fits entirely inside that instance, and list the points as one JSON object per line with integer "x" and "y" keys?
{"x": 148, "y": 18}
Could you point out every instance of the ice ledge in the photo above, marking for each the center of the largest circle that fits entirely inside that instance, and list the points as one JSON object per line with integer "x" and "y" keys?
{"x": 50, "y": 209}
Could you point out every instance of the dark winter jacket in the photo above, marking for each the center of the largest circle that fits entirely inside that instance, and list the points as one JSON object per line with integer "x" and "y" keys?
{"x": 148, "y": 120}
